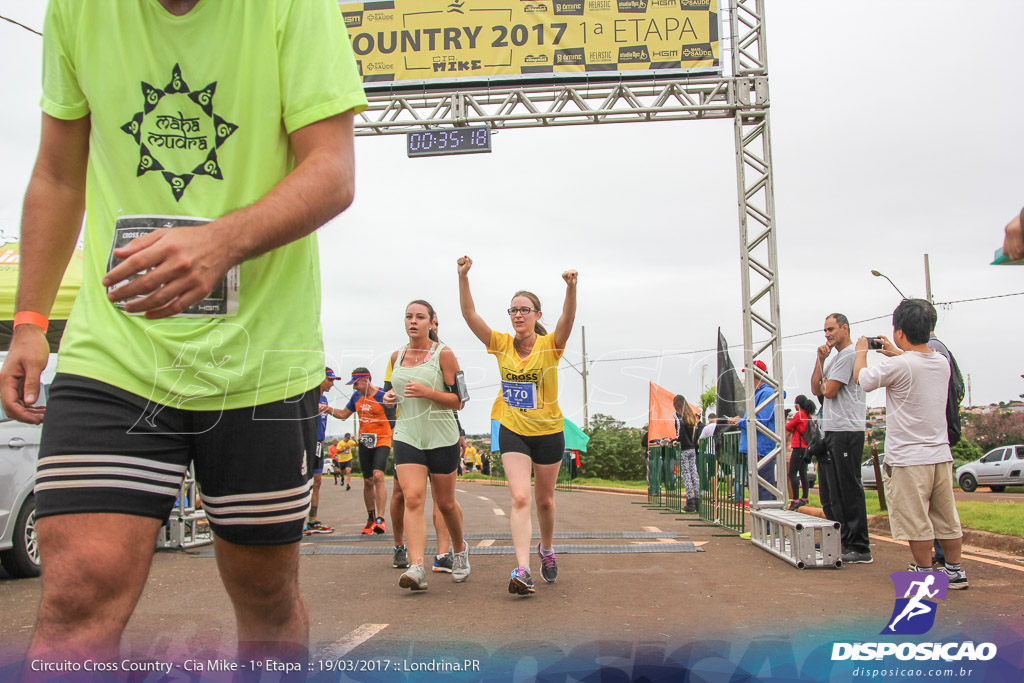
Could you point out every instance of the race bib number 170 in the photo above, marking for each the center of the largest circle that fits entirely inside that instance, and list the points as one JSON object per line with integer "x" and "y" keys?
{"x": 521, "y": 395}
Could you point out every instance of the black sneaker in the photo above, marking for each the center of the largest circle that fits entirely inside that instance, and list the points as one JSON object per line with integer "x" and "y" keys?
{"x": 548, "y": 565}
{"x": 854, "y": 557}
{"x": 445, "y": 563}
{"x": 401, "y": 559}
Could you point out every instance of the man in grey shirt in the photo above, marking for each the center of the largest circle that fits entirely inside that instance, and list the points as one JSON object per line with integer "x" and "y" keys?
{"x": 843, "y": 419}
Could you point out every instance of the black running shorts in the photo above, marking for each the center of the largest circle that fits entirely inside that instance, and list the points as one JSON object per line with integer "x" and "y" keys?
{"x": 107, "y": 450}
{"x": 371, "y": 459}
{"x": 543, "y": 450}
{"x": 443, "y": 460}
{"x": 315, "y": 460}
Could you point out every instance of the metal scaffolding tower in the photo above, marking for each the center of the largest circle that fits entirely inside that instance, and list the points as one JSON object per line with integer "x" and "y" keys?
{"x": 741, "y": 95}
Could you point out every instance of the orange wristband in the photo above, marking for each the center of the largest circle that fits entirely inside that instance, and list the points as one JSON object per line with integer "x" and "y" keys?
{"x": 30, "y": 318}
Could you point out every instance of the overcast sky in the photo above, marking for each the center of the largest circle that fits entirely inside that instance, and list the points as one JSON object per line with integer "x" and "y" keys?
{"x": 896, "y": 131}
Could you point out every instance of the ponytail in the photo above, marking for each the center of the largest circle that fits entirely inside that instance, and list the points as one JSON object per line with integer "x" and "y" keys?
{"x": 431, "y": 333}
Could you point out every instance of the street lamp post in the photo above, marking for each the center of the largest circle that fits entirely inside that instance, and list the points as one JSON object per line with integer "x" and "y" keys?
{"x": 877, "y": 274}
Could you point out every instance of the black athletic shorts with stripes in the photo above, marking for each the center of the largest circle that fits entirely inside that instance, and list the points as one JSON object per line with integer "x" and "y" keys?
{"x": 107, "y": 450}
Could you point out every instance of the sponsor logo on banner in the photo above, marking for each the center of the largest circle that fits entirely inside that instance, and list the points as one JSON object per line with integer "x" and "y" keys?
{"x": 573, "y": 57}
{"x": 379, "y": 16}
{"x": 917, "y": 596}
{"x": 695, "y": 4}
{"x": 634, "y": 55}
{"x": 693, "y": 53}
{"x": 535, "y": 9}
{"x": 914, "y": 612}
{"x": 663, "y": 3}
{"x": 666, "y": 54}
{"x": 353, "y": 19}
{"x": 601, "y": 56}
{"x": 632, "y": 6}
{"x": 563, "y": 7}
{"x": 535, "y": 59}
{"x": 599, "y": 5}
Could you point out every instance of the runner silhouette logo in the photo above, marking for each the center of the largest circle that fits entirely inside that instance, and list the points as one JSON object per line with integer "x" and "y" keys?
{"x": 917, "y": 594}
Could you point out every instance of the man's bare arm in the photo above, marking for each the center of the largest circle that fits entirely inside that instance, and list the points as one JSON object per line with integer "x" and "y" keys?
{"x": 188, "y": 262}
{"x": 51, "y": 221}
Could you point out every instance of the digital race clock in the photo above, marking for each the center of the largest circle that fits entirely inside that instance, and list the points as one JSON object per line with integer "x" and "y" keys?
{"x": 428, "y": 143}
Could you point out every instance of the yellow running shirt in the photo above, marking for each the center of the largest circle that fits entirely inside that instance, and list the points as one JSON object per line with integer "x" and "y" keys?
{"x": 528, "y": 400}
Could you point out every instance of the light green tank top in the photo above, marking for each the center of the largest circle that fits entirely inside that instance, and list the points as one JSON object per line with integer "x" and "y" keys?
{"x": 422, "y": 423}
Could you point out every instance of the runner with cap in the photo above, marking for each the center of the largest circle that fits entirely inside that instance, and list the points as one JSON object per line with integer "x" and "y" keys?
{"x": 374, "y": 444}
{"x": 315, "y": 460}
{"x": 531, "y": 433}
{"x": 425, "y": 380}
{"x": 345, "y": 446}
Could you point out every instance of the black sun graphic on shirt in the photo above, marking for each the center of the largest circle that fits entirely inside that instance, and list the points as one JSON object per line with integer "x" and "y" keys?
{"x": 178, "y": 132}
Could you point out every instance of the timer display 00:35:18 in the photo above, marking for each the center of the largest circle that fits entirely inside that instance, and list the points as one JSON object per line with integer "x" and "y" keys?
{"x": 428, "y": 143}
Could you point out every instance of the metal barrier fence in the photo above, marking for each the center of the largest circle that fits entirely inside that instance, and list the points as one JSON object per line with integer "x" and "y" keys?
{"x": 566, "y": 473}
{"x": 664, "y": 488}
{"x": 723, "y": 476}
{"x": 497, "y": 471}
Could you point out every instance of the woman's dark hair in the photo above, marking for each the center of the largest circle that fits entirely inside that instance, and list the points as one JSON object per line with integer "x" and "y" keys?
{"x": 806, "y": 404}
{"x": 430, "y": 311}
{"x": 682, "y": 407}
{"x": 537, "y": 327}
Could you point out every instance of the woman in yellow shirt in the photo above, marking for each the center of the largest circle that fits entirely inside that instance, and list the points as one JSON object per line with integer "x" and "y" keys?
{"x": 531, "y": 435}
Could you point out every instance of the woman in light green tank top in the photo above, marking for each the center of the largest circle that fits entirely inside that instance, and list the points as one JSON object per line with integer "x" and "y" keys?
{"x": 426, "y": 438}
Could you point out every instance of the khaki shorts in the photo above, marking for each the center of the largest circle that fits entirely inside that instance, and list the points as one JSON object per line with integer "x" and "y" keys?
{"x": 921, "y": 503}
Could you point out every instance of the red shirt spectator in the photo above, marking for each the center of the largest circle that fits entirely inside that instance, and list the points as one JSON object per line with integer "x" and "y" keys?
{"x": 798, "y": 425}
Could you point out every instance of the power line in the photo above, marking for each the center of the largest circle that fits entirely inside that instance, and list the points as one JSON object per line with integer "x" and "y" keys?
{"x": 18, "y": 23}
{"x": 944, "y": 304}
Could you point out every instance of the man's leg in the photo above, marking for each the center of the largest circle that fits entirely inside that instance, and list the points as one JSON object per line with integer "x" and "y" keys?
{"x": 315, "y": 502}
{"x": 380, "y": 492}
{"x": 398, "y": 511}
{"x": 847, "y": 467}
{"x": 825, "y": 487}
{"x": 94, "y": 569}
{"x": 263, "y": 584}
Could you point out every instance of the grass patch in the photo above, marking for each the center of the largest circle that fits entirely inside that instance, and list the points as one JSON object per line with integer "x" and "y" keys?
{"x": 609, "y": 483}
{"x": 999, "y": 518}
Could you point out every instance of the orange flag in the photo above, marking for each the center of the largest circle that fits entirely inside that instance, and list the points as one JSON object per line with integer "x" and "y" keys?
{"x": 661, "y": 414}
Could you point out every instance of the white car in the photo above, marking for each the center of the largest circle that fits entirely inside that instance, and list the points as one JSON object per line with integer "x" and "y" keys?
{"x": 867, "y": 472}
{"x": 19, "y": 450}
{"x": 997, "y": 469}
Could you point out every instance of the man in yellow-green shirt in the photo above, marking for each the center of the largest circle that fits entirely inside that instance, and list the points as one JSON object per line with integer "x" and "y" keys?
{"x": 161, "y": 118}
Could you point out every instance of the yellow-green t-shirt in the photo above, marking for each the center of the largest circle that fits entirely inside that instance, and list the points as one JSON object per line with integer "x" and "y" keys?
{"x": 527, "y": 403}
{"x": 190, "y": 117}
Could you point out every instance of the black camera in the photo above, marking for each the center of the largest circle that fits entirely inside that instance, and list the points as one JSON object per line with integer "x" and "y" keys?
{"x": 874, "y": 343}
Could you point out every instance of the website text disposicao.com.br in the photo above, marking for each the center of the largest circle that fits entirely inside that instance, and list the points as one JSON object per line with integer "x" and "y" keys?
{"x": 910, "y": 672}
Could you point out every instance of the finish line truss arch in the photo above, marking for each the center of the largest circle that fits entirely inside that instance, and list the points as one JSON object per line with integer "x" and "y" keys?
{"x": 742, "y": 96}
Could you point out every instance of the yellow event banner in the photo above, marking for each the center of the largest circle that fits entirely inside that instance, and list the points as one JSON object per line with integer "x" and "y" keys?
{"x": 415, "y": 41}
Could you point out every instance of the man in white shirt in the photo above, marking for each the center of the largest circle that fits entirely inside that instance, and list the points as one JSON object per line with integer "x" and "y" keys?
{"x": 916, "y": 473}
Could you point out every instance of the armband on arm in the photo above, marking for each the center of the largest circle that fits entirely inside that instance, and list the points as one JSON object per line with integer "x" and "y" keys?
{"x": 459, "y": 387}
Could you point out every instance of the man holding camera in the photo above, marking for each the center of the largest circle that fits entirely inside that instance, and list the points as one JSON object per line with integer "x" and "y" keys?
{"x": 843, "y": 418}
{"x": 916, "y": 474}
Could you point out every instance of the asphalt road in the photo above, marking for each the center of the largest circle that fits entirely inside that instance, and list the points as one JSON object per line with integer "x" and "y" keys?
{"x": 730, "y": 590}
